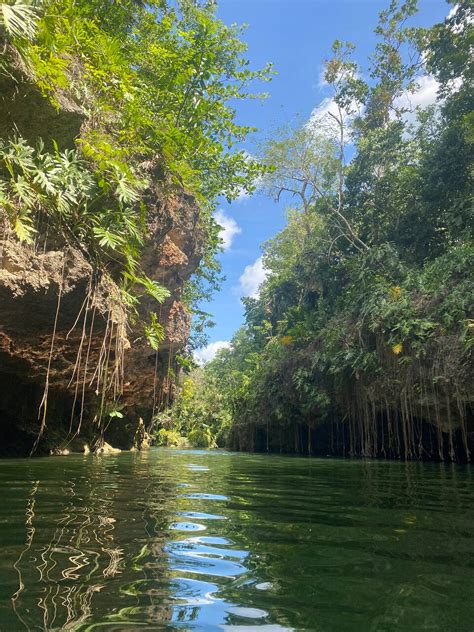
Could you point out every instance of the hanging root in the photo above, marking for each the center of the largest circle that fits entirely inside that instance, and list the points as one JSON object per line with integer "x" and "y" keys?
{"x": 77, "y": 365}
{"x": 43, "y": 407}
{"x": 86, "y": 366}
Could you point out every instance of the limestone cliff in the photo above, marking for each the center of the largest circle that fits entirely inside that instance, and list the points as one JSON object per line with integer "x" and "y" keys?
{"x": 65, "y": 338}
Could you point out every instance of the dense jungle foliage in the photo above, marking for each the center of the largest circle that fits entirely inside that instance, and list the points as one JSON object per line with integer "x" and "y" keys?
{"x": 147, "y": 93}
{"x": 360, "y": 341}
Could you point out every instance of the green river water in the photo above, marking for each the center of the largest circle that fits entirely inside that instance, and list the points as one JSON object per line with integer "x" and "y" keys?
{"x": 196, "y": 540}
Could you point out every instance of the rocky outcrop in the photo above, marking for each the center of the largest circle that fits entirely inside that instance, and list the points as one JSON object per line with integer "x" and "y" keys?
{"x": 60, "y": 325}
{"x": 64, "y": 335}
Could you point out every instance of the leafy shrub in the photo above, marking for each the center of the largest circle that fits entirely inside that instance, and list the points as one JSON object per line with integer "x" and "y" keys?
{"x": 201, "y": 438}
{"x": 170, "y": 439}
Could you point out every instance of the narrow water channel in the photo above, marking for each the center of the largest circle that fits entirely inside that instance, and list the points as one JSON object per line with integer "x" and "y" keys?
{"x": 195, "y": 540}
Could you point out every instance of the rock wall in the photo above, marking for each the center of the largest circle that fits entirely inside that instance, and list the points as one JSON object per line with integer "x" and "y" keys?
{"x": 64, "y": 337}
{"x": 57, "y": 328}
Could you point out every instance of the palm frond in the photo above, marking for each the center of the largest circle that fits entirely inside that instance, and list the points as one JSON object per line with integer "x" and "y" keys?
{"x": 19, "y": 20}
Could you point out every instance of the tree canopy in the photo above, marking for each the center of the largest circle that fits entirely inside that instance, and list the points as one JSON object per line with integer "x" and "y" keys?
{"x": 360, "y": 341}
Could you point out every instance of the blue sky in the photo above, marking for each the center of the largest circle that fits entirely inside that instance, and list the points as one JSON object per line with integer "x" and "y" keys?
{"x": 296, "y": 36}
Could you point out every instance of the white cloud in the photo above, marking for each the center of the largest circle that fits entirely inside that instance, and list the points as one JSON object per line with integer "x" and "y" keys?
{"x": 457, "y": 28}
{"x": 206, "y": 354}
{"x": 252, "y": 278}
{"x": 229, "y": 226}
{"x": 424, "y": 94}
{"x": 452, "y": 12}
{"x": 322, "y": 120}
{"x": 327, "y": 106}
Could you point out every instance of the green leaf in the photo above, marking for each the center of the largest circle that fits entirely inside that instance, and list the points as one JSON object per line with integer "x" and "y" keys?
{"x": 24, "y": 230}
{"x": 19, "y": 19}
{"x": 154, "y": 332}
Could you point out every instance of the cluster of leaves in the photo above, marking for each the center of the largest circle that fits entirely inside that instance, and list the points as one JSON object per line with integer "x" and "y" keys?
{"x": 373, "y": 272}
{"x": 57, "y": 192}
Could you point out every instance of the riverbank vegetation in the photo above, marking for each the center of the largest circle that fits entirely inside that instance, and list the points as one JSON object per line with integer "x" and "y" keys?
{"x": 360, "y": 340}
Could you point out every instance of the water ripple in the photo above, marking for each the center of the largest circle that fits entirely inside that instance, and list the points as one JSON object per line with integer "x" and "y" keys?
{"x": 202, "y": 496}
{"x": 199, "y": 515}
{"x": 198, "y": 540}
{"x": 187, "y": 526}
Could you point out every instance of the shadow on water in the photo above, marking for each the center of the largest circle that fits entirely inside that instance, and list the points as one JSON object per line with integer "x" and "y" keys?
{"x": 195, "y": 540}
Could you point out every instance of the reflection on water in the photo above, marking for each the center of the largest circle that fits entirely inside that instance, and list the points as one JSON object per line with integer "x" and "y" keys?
{"x": 190, "y": 540}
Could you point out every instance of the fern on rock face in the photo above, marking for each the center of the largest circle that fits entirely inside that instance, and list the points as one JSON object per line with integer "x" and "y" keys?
{"x": 60, "y": 189}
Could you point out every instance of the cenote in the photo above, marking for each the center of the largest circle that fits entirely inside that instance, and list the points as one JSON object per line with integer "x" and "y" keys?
{"x": 211, "y": 540}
